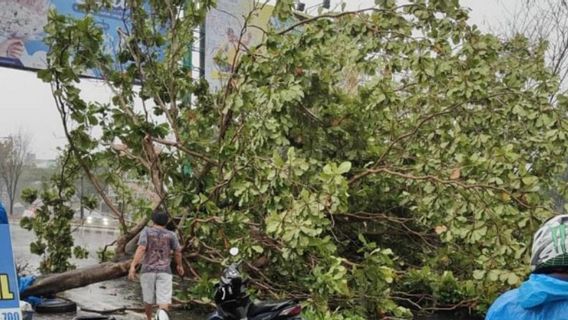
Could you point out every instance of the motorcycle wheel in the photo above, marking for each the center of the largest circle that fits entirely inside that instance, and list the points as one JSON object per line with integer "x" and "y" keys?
{"x": 56, "y": 305}
{"x": 214, "y": 316}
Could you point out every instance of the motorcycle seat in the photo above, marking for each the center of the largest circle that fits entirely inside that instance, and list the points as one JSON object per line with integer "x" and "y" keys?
{"x": 259, "y": 307}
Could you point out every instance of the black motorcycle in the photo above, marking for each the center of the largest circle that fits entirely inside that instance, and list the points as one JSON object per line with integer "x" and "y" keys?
{"x": 233, "y": 302}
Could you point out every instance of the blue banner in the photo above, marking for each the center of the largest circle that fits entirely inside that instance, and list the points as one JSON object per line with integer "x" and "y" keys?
{"x": 22, "y": 23}
{"x": 9, "y": 295}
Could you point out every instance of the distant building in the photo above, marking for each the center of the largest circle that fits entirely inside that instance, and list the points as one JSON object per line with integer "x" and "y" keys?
{"x": 30, "y": 158}
{"x": 45, "y": 163}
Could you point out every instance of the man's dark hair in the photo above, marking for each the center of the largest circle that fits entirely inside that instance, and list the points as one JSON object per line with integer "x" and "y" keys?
{"x": 160, "y": 218}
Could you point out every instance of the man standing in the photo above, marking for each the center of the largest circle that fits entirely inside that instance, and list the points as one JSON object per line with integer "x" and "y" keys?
{"x": 154, "y": 251}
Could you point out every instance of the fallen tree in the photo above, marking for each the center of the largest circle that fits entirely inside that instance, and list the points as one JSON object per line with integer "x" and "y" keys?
{"x": 55, "y": 283}
{"x": 374, "y": 162}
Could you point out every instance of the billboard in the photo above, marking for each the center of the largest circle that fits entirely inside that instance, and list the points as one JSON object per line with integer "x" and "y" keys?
{"x": 22, "y": 23}
{"x": 9, "y": 295}
{"x": 223, "y": 26}
{"x": 21, "y": 30}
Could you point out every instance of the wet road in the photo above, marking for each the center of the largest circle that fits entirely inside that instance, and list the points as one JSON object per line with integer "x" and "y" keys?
{"x": 106, "y": 295}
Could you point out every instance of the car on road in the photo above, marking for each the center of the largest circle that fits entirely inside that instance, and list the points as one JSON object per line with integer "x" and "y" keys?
{"x": 95, "y": 218}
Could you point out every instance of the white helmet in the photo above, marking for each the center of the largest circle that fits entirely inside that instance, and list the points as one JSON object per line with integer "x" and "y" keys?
{"x": 550, "y": 244}
{"x": 162, "y": 315}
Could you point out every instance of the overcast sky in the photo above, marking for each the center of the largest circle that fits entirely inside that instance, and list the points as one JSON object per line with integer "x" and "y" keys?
{"x": 27, "y": 103}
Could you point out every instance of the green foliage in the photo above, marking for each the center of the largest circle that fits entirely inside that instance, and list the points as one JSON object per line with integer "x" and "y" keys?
{"x": 283, "y": 8}
{"x": 372, "y": 164}
{"x": 89, "y": 202}
{"x": 51, "y": 223}
{"x": 105, "y": 255}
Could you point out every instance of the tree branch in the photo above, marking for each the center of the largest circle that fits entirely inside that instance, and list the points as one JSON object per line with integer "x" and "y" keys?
{"x": 454, "y": 183}
{"x": 185, "y": 149}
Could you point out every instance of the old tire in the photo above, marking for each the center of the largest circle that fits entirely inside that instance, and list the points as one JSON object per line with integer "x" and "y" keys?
{"x": 56, "y": 305}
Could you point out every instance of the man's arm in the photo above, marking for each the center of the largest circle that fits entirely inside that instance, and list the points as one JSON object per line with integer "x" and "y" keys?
{"x": 138, "y": 256}
{"x": 179, "y": 263}
{"x": 176, "y": 247}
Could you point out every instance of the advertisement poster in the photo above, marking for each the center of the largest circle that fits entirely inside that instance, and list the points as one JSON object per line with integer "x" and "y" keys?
{"x": 223, "y": 27}
{"x": 22, "y": 23}
{"x": 9, "y": 295}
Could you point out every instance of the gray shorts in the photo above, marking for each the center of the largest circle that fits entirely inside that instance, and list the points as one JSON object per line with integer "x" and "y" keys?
{"x": 156, "y": 288}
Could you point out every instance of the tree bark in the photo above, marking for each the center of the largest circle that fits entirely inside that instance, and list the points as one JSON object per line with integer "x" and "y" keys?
{"x": 11, "y": 205}
{"x": 77, "y": 278}
{"x": 122, "y": 243}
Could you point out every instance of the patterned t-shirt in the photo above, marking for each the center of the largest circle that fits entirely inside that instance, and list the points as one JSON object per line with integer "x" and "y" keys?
{"x": 159, "y": 243}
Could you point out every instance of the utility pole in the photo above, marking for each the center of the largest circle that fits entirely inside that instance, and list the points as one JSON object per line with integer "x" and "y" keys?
{"x": 2, "y": 196}
{"x": 202, "y": 43}
{"x": 81, "y": 200}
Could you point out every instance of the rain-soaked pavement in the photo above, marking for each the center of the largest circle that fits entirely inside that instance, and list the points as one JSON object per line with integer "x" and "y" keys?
{"x": 106, "y": 295}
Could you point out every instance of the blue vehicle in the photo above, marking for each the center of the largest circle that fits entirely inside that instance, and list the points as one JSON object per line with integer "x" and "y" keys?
{"x": 9, "y": 294}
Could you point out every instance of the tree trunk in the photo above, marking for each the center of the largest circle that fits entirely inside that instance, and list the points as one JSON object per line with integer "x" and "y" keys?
{"x": 77, "y": 278}
{"x": 11, "y": 196}
{"x": 121, "y": 244}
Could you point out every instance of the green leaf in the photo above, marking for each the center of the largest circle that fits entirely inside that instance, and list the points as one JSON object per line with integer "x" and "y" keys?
{"x": 344, "y": 167}
{"x": 493, "y": 275}
{"x": 478, "y": 274}
{"x": 513, "y": 279}
{"x": 530, "y": 180}
{"x": 257, "y": 249}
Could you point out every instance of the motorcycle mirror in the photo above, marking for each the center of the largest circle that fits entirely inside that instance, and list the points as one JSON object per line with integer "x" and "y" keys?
{"x": 234, "y": 251}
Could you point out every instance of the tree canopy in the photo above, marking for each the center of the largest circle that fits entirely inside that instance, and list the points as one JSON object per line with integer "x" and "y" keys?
{"x": 372, "y": 163}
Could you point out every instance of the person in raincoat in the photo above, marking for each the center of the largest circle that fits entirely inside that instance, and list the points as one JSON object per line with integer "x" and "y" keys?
{"x": 544, "y": 296}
